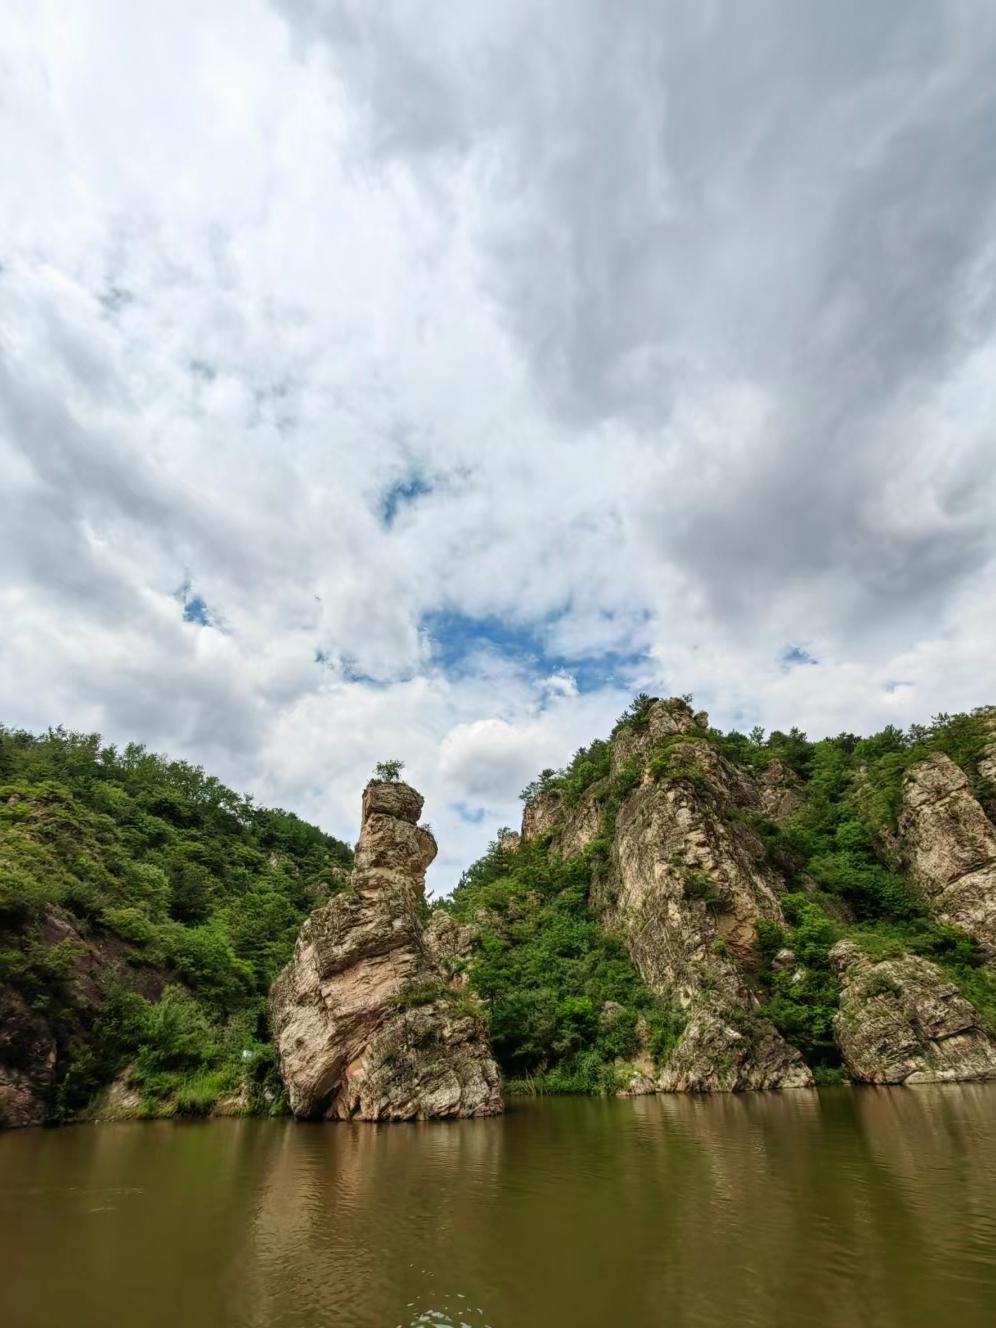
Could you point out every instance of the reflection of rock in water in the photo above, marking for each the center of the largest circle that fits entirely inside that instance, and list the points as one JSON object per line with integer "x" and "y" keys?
{"x": 353, "y": 1223}
{"x": 953, "y": 1122}
{"x": 835, "y": 1208}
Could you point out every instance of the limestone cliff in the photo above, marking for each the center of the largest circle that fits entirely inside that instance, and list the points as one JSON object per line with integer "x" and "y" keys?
{"x": 364, "y": 1023}
{"x": 902, "y": 1022}
{"x": 685, "y": 885}
{"x": 949, "y": 844}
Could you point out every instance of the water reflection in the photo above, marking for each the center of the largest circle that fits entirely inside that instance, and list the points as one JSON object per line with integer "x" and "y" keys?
{"x": 837, "y": 1208}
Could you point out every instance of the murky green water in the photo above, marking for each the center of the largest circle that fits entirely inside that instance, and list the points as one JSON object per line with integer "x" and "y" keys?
{"x": 870, "y": 1207}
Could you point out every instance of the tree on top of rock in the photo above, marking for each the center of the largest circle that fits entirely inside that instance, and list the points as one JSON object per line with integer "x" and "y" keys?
{"x": 388, "y": 772}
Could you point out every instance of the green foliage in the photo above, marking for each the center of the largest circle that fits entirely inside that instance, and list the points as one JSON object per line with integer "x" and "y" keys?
{"x": 170, "y": 877}
{"x": 803, "y": 996}
{"x": 542, "y": 964}
{"x": 388, "y": 772}
{"x": 700, "y": 885}
{"x": 588, "y": 766}
{"x": 563, "y": 997}
{"x": 636, "y": 715}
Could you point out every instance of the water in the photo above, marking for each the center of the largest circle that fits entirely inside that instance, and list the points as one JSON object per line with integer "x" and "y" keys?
{"x": 841, "y": 1208}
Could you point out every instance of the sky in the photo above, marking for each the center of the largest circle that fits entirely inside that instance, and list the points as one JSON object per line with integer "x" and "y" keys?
{"x": 421, "y": 380}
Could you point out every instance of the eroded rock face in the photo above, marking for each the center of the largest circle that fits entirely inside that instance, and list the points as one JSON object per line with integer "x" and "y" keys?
{"x": 364, "y": 1023}
{"x": 450, "y": 944}
{"x": 27, "y": 1062}
{"x": 686, "y": 888}
{"x": 902, "y": 1022}
{"x": 949, "y": 845}
{"x": 542, "y": 814}
{"x": 727, "y": 1048}
{"x": 664, "y": 719}
{"x": 780, "y": 790}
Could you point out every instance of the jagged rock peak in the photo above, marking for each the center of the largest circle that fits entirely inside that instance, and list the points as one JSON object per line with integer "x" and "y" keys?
{"x": 902, "y": 1022}
{"x": 365, "y": 1022}
{"x": 661, "y": 719}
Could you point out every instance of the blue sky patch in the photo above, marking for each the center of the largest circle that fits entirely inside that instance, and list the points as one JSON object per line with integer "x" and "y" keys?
{"x": 471, "y": 815}
{"x": 401, "y": 495}
{"x": 793, "y": 655}
{"x": 457, "y": 637}
{"x": 195, "y": 609}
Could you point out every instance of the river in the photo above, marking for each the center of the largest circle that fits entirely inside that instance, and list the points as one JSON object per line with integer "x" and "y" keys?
{"x": 842, "y": 1207}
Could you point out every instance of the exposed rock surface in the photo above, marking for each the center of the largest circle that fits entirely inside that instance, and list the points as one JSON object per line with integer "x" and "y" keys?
{"x": 663, "y": 719}
{"x": 450, "y": 944}
{"x": 364, "y": 1024}
{"x": 27, "y": 1062}
{"x": 902, "y": 1022}
{"x": 949, "y": 845}
{"x": 780, "y": 791}
{"x": 542, "y": 814}
{"x": 686, "y": 887}
{"x": 727, "y": 1048}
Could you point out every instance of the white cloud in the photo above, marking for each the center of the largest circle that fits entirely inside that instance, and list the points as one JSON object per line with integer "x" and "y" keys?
{"x": 687, "y": 338}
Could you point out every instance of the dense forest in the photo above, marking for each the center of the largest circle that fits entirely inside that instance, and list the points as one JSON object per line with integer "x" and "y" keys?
{"x": 144, "y": 910}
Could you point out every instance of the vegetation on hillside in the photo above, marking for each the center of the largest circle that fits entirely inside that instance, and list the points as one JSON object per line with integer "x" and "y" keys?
{"x": 145, "y": 909}
{"x": 540, "y": 947}
{"x": 183, "y": 898}
{"x": 567, "y": 1007}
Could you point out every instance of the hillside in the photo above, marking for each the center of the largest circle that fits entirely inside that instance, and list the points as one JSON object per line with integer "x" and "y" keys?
{"x": 691, "y": 909}
{"x": 144, "y": 910}
{"x": 684, "y": 910}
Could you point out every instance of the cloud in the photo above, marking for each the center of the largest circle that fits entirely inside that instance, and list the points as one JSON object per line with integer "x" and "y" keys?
{"x": 472, "y": 373}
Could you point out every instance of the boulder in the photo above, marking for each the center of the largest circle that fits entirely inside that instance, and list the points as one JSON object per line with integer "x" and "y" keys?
{"x": 365, "y": 1024}
{"x": 902, "y": 1022}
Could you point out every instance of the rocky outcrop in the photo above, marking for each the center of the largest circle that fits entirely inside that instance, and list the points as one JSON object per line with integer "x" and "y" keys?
{"x": 685, "y": 886}
{"x": 949, "y": 846}
{"x": 727, "y": 1048}
{"x": 27, "y": 1062}
{"x": 902, "y": 1022}
{"x": 450, "y": 944}
{"x": 660, "y": 721}
{"x": 364, "y": 1023}
{"x": 542, "y": 814}
{"x": 780, "y": 791}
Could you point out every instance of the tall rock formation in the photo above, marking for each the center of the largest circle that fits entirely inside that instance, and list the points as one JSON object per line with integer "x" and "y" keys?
{"x": 364, "y": 1023}
{"x": 685, "y": 886}
{"x": 902, "y": 1022}
{"x": 949, "y": 844}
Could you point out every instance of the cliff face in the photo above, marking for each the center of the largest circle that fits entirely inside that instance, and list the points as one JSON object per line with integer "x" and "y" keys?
{"x": 949, "y": 844}
{"x": 686, "y": 888}
{"x": 902, "y": 1022}
{"x": 364, "y": 1023}
{"x": 673, "y": 817}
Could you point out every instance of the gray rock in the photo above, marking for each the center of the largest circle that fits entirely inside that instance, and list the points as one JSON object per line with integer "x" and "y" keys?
{"x": 365, "y": 1024}
{"x": 949, "y": 846}
{"x": 902, "y": 1022}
